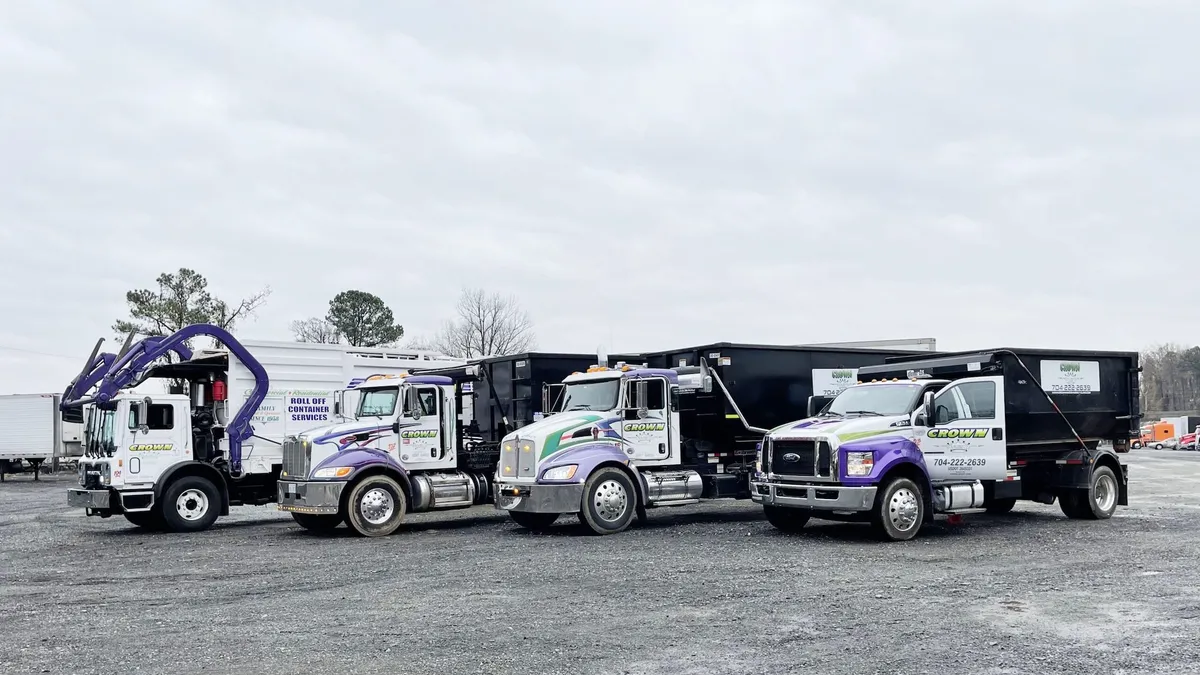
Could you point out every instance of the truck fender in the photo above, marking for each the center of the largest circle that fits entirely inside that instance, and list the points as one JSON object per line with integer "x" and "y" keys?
{"x": 194, "y": 468}
{"x": 1121, "y": 471}
{"x": 370, "y": 462}
{"x": 597, "y": 454}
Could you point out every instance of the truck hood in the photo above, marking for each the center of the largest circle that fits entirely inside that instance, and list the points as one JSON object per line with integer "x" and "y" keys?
{"x": 839, "y": 430}
{"x": 554, "y": 434}
{"x": 370, "y": 432}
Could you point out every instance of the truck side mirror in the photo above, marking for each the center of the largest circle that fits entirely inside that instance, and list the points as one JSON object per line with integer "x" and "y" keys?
{"x": 396, "y": 428}
{"x": 142, "y": 412}
{"x": 412, "y": 405}
{"x": 675, "y": 398}
{"x": 816, "y": 404}
{"x": 924, "y": 416}
{"x": 642, "y": 388}
{"x": 337, "y": 408}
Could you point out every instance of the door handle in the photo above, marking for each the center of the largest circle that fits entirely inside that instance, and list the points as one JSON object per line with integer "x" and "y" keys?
{"x": 997, "y": 434}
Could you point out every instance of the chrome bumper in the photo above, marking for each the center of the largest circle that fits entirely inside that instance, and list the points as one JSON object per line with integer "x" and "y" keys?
{"x": 88, "y": 499}
{"x": 539, "y": 498}
{"x": 315, "y": 497}
{"x": 831, "y": 497}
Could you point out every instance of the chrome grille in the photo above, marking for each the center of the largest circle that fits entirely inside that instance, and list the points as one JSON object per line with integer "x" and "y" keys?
{"x": 296, "y": 457}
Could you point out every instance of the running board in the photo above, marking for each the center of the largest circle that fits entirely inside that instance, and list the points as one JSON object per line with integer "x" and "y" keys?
{"x": 675, "y": 502}
{"x": 959, "y": 512}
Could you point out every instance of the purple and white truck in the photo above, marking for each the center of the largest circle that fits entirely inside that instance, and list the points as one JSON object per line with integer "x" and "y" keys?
{"x": 955, "y": 434}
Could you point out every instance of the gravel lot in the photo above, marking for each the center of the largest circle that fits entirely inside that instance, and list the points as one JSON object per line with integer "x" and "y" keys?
{"x": 702, "y": 589}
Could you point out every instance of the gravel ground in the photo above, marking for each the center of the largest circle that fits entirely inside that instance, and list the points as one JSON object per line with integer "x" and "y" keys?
{"x": 709, "y": 588}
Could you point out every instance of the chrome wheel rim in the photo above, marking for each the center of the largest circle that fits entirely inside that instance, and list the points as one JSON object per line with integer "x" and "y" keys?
{"x": 192, "y": 504}
{"x": 376, "y": 506}
{"x": 902, "y": 509}
{"x": 1105, "y": 493}
{"x": 611, "y": 501}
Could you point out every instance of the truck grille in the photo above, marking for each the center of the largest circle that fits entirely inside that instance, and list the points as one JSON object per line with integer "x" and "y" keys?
{"x": 800, "y": 458}
{"x": 518, "y": 459}
{"x": 296, "y": 456}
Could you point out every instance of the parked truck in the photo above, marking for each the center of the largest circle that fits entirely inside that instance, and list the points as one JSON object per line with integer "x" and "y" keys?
{"x": 34, "y": 429}
{"x": 955, "y": 434}
{"x": 180, "y": 459}
{"x": 425, "y": 441}
{"x": 680, "y": 427}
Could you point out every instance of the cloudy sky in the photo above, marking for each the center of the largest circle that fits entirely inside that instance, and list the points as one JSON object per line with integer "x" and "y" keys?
{"x": 643, "y": 175}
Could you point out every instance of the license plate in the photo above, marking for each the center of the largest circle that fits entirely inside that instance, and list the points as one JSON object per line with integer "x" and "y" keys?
{"x": 291, "y": 488}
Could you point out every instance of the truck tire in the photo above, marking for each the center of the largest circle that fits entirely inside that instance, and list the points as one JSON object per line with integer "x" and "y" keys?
{"x": 375, "y": 507}
{"x": 899, "y": 510}
{"x": 785, "y": 519}
{"x": 317, "y": 523}
{"x": 147, "y": 520}
{"x": 1097, "y": 502}
{"x": 190, "y": 504}
{"x": 533, "y": 521}
{"x": 999, "y": 507}
{"x": 609, "y": 502}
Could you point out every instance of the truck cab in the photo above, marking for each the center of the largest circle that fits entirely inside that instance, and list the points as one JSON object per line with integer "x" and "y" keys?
{"x": 896, "y": 450}
{"x": 404, "y": 451}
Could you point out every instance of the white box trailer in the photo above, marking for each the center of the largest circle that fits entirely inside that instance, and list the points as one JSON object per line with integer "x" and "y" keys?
{"x": 32, "y": 430}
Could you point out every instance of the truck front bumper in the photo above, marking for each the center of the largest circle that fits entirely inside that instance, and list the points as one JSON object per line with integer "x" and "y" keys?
{"x": 92, "y": 500}
{"x": 535, "y": 498}
{"x": 830, "y": 497}
{"x": 314, "y": 497}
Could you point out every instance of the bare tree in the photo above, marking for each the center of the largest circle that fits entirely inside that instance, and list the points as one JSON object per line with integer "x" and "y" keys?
{"x": 316, "y": 330}
{"x": 487, "y": 325}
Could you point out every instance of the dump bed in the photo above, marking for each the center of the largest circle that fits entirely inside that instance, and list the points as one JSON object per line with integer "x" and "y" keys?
{"x": 1096, "y": 391}
{"x": 770, "y": 385}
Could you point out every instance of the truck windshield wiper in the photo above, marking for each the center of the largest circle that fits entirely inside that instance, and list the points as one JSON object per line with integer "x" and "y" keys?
{"x": 830, "y": 413}
{"x": 864, "y": 412}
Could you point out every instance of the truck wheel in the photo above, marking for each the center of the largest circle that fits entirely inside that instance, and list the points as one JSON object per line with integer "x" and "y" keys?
{"x": 317, "y": 523}
{"x": 999, "y": 507}
{"x": 785, "y": 519}
{"x": 375, "y": 507}
{"x": 190, "y": 504}
{"x": 609, "y": 502}
{"x": 147, "y": 520}
{"x": 533, "y": 521}
{"x": 899, "y": 510}
{"x": 1098, "y": 502}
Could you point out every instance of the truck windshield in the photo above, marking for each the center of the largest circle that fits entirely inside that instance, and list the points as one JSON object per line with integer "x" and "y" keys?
{"x": 99, "y": 435}
{"x": 875, "y": 399}
{"x": 594, "y": 395}
{"x": 378, "y": 402}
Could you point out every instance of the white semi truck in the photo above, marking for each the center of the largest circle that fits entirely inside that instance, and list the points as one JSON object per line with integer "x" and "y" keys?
{"x": 34, "y": 429}
{"x": 178, "y": 460}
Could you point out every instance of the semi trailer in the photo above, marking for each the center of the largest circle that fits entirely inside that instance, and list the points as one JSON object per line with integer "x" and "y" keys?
{"x": 681, "y": 427}
{"x": 955, "y": 434}
{"x": 180, "y": 458}
{"x": 34, "y": 429}
{"x": 425, "y": 441}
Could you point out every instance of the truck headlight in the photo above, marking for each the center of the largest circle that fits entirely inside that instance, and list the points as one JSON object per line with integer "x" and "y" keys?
{"x": 333, "y": 472}
{"x": 859, "y": 463}
{"x": 561, "y": 472}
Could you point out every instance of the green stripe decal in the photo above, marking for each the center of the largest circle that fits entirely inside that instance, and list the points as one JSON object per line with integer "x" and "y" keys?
{"x": 551, "y": 445}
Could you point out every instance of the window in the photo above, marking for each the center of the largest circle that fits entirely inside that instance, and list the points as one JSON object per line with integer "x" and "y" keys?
{"x": 946, "y": 408}
{"x": 377, "y": 402}
{"x": 599, "y": 395}
{"x": 159, "y": 417}
{"x": 428, "y": 398}
{"x": 971, "y": 400}
{"x": 656, "y": 394}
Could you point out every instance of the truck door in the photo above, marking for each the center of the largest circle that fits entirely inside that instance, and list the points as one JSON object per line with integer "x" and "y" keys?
{"x": 966, "y": 439}
{"x": 647, "y": 423}
{"x": 160, "y": 446}
{"x": 421, "y": 444}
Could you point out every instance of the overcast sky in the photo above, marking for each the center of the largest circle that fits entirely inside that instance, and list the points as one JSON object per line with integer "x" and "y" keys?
{"x": 643, "y": 175}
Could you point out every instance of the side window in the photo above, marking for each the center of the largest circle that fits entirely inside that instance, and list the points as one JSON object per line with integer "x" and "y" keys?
{"x": 656, "y": 394}
{"x": 428, "y": 398}
{"x": 159, "y": 417}
{"x": 946, "y": 408}
{"x": 980, "y": 398}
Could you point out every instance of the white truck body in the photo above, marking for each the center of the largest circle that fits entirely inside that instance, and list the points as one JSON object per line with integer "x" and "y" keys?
{"x": 32, "y": 428}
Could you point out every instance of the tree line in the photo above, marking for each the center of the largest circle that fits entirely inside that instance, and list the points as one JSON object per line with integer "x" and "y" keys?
{"x": 1171, "y": 378}
{"x": 483, "y": 324}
